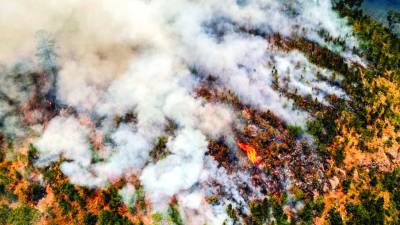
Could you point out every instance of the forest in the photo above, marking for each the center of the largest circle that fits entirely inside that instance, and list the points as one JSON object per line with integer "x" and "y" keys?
{"x": 342, "y": 167}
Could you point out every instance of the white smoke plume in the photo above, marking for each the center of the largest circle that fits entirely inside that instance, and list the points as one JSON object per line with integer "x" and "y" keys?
{"x": 196, "y": 210}
{"x": 65, "y": 136}
{"x": 146, "y": 57}
{"x": 128, "y": 194}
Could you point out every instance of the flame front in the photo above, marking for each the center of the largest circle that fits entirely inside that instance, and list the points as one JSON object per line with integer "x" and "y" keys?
{"x": 249, "y": 150}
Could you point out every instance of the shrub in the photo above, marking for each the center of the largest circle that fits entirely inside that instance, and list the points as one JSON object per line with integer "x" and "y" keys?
{"x": 112, "y": 218}
{"x": 23, "y": 215}
{"x": 72, "y": 194}
{"x": 32, "y": 154}
{"x": 174, "y": 215}
{"x": 89, "y": 219}
{"x": 35, "y": 192}
{"x": 231, "y": 212}
{"x": 259, "y": 211}
{"x": 295, "y": 131}
{"x": 307, "y": 214}
{"x": 340, "y": 156}
{"x": 112, "y": 198}
{"x": 334, "y": 217}
{"x": 65, "y": 206}
{"x": 5, "y": 212}
{"x": 369, "y": 212}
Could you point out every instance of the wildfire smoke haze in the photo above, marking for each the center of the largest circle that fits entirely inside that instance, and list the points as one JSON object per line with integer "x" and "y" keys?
{"x": 110, "y": 89}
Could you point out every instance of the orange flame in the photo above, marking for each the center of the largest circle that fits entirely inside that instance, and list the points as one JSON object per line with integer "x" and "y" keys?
{"x": 250, "y": 151}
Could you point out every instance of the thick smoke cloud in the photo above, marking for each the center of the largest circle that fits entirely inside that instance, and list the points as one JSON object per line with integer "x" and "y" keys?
{"x": 138, "y": 57}
{"x": 128, "y": 194}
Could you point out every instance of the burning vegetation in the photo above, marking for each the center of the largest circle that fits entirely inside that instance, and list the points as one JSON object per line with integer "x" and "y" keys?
{"x": 214, "y": 121}
{"x": 250, "y": 152}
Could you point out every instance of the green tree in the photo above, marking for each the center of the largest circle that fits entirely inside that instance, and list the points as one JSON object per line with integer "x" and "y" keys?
{"x": 112, "y": 198}
{"x": 334, "y": 217}
{"x": 5, "y": 212}
{"x": 113, "y": 218}
{"x": 369, "y": 212}
{"x": 174, "y": 215}
{"x": 295, "y": 131}
{"x": 23, "y": 215}
{"x": 259, "y": 211}
{"x": 32, "y": 154}
{"x": 35, "y": 192}
{"x": 89, "y": 219}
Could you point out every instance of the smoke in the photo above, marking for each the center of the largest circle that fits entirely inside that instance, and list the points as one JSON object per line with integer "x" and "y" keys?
{"x": 182, "y": 168}
{"x": 196, "y": 210}
{"x": 64, "y": 136}
{"x": 128, "y": 194}
{"x": 145, "y": 58}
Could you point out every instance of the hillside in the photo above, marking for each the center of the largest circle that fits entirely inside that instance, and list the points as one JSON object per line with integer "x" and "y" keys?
{"x": 198, "y": 112}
